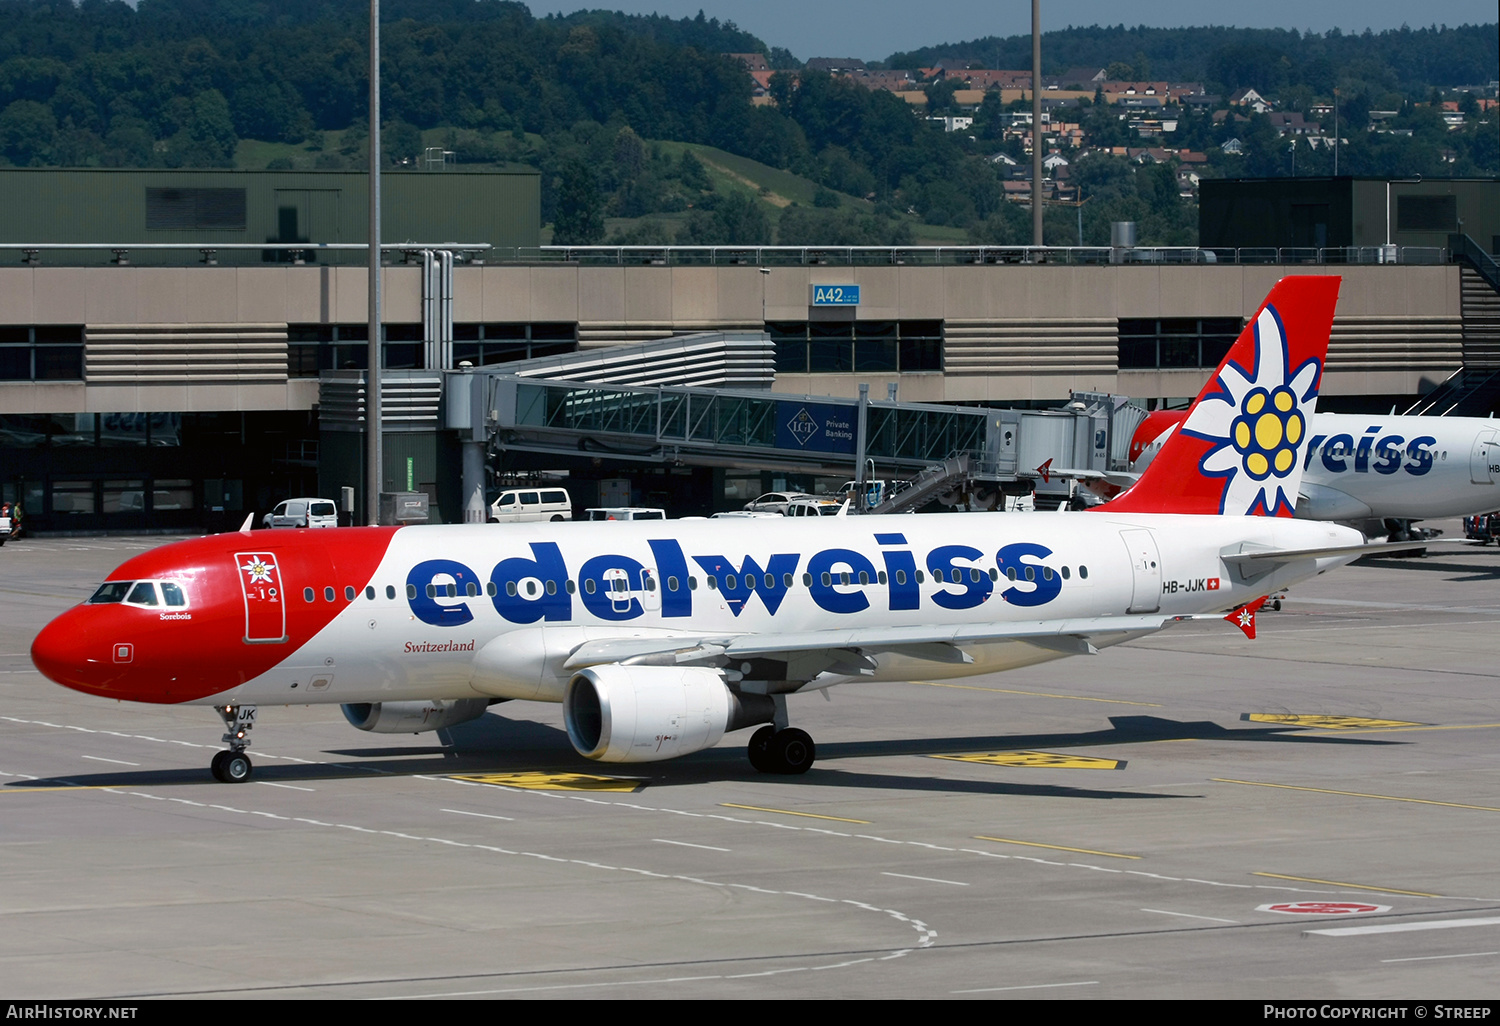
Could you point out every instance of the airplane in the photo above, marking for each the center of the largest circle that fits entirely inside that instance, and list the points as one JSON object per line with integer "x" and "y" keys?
{"x": 659, "y": 637}
{"x": 1360, "y": 467}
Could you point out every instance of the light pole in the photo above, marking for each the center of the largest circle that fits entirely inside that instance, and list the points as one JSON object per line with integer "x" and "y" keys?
{"x": 1036, "y": 122}
{"x": 374, "y": 474}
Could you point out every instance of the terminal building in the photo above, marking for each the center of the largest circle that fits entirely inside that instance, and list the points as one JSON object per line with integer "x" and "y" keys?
{"x": 179, "y": 349}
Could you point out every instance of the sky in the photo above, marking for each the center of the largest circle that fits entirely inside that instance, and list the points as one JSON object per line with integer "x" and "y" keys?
{"x": 874, "y": 29}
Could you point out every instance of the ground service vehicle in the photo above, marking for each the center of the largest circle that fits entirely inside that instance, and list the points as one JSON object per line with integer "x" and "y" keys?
{"x": 523, "y": 505}
{"x": 624, "y": 513}
{"x": 303, "y": 513}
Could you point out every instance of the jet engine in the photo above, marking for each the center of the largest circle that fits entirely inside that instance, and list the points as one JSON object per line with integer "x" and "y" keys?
{"x": 618, "y": 713}
{"x": 414, "y": 717}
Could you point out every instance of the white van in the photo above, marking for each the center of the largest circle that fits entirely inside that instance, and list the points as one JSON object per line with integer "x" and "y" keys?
{"x": 624, "y": 513}
{"x": 813, "y": 508}
{"x": 518, "y": 505}
{"x": 303, "y": 513}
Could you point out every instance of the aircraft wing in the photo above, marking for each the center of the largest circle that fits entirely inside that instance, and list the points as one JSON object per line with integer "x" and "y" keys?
{"x": 843, "y": 649}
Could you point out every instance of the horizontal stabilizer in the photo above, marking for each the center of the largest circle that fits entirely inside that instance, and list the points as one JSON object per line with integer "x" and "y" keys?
{"x": 1262, "y": 557}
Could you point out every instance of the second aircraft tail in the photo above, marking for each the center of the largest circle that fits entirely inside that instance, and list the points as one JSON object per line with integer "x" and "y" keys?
{"x": 1242, "y": 449}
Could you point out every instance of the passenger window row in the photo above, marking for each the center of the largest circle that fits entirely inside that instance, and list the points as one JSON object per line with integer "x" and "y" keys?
{"x": 730, "y": 582}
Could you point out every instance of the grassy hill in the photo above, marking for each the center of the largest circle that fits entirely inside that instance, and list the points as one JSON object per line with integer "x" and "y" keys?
{"x": 774, "y": 189}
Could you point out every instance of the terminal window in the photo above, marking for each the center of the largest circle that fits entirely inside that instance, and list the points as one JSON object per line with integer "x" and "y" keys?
{"x": 41, "y": 352}
{"x": 312, "y": 348}
{"x": 487, "y": 344}
{"x": 1176, "y": 343}
{"x": 830, "y": 347}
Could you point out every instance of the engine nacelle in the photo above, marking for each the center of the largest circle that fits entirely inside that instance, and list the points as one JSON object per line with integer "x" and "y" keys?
{"x": 618, "y": 713}
{"x": 414, "y": 717}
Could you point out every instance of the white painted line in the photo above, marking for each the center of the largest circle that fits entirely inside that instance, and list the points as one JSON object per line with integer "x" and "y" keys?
{"x": 1433, "y": 958}
{"x": 705, "y": 847}
{"x": 1433, "y": 924}
{"x": 1186, "y": 915}
{"x": 926, "y": 879}
{"x": 1033, "y": 986}
{"x": 118, "y": 762}
{"x": 289, "y": 787}
{"x": 481, "y": 815}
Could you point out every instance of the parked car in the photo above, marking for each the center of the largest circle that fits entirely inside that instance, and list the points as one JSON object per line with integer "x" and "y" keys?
{"x": 303, "y": 513}
{"x": 813, "y": 508}
{"x": 518, "y": 505}
{"x": 743, "y": 514}
{"x": 624, "y": 513}
{"x": 774, "y": 502}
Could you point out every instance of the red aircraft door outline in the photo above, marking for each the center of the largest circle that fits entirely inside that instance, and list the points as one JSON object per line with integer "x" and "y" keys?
{"x": 265, "y": 606}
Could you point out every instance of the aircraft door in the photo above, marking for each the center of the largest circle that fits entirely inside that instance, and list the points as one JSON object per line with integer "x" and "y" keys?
{"x": 1484, "y": 457}
{"x": 1145, "y": 570}
{"x": 264, "y": 590}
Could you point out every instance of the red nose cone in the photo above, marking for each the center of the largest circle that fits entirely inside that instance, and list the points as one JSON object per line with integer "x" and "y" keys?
{"x": 66, "y": 652}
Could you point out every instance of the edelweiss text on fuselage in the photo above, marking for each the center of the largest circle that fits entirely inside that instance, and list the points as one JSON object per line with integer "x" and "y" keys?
{"x": 542, "y": 588}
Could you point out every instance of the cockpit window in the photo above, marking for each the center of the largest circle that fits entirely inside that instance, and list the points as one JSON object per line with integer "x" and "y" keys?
{"x": 110, "y": 591}
{"x": 172, "y": 594}
{"x": 143, "y": 594}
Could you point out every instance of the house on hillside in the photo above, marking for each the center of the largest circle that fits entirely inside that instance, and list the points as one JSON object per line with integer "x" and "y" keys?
{"x": 890, "y": 81}
{"x": 1291, "y": 124}
{"x": 1075, "y": 78}
{"x": 753, "y": 62}
{"x": 835, "y": 65}
{"x": 1248, "y": 97}
{"x": 986, "y": 80}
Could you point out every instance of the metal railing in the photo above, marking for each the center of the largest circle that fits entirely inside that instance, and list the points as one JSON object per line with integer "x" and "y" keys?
{"x": 1466, "y": 250}
{"x": 72, "y": 254}
{"x": 858, "y": 256}
{"x": 119, "y": 253}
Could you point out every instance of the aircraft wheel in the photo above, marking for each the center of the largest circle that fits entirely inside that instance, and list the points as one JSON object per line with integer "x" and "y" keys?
{"x": 237, "y": 767}
{"x": 217, "y": 767}
{"x": 759, "y": 749}
{"x": 793, "y": 751}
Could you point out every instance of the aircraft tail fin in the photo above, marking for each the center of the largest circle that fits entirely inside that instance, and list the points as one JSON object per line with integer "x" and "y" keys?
{"x": 1244, "y": 444}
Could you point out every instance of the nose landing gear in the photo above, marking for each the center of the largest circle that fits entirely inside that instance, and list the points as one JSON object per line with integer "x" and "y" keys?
{"x": 234, "y": 766}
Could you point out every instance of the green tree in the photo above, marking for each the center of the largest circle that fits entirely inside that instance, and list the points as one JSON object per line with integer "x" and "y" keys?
{"x": 580, "y": 212}
{"x": 26, "y": 132}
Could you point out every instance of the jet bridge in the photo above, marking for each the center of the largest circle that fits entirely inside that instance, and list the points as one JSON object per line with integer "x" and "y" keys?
{"x": 496, "y": 409}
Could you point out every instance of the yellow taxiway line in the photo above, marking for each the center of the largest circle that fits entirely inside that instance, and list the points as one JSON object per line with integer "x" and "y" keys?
{"x": 1055, "y": 847}
{"x": 1357, "y": 794}
{"x": 1354, "y": 886}
{"x": 789, "y": 812}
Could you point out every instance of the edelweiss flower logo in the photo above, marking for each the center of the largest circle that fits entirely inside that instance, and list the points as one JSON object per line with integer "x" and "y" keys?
{"x": 259, "y": 570}
{"x": 1257, "y": 423}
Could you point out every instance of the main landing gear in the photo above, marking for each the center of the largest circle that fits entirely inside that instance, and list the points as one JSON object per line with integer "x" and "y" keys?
{"x": 777, "y": 748}
{"x": 234, "y": 766}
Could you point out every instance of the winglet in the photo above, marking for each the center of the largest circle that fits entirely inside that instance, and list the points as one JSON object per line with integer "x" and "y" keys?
{"x": 245, "y": 527}
{"x": 1244, "y": 617}
{"x": 1242, "y": 449}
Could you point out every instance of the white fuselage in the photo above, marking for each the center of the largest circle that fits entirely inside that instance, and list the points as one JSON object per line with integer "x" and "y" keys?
{"x": 495, "y": 610}
{"x": 1410, "y": 468}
